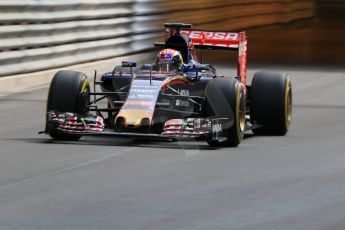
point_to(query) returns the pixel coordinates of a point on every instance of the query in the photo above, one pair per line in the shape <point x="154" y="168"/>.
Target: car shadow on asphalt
<point x="129" y="142"/>
<point x="98" y="141"/>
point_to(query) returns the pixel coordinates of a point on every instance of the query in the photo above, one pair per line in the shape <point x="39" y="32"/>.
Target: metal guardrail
<point x="43" y="34"/>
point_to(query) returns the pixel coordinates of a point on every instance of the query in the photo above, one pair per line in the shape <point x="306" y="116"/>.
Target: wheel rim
<point x="85" y="86"/>
<point x="85" y="94"/>
<point x="288" y="103"/>
<point x="241" y="113"/>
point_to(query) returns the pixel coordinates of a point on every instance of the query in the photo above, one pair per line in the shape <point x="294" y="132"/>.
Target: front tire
<point x="271" y="103"/>
<point x="226" y="99"/>
<point x="68" y="92"/>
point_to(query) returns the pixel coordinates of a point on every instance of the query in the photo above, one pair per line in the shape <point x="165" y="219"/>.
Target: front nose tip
<point x="137" y="122"/>
<point x="131" y="125"/>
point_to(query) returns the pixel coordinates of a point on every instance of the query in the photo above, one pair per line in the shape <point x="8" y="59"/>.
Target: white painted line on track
<point x="53" y="173"/>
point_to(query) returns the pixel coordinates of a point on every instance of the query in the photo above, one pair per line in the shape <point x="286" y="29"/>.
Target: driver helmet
<point x="168" y="60"/>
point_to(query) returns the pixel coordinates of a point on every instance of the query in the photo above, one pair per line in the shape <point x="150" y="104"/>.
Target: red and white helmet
<point x="168" y="60"/>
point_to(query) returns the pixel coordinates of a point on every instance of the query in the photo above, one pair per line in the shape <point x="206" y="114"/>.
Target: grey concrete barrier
<point x="43" y="34"/>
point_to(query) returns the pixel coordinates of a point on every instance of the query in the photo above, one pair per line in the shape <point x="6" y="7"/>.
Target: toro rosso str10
<point x="175" y="97"/>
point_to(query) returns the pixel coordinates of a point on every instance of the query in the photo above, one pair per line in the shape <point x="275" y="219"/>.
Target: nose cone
<point x="134" y="118"/>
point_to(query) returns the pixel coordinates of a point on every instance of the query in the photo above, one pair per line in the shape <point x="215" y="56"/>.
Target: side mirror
<point x="130" y="64"/>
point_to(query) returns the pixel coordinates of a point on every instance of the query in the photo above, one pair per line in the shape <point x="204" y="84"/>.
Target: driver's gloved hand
<point x="187" y="68"/>
<point x="189" y="71"/>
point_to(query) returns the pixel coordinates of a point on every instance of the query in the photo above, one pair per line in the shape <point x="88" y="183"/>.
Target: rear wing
<point x="213" y="40"/>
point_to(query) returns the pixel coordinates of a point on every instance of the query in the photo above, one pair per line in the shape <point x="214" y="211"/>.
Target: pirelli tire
<point x="68" y="92"/>
<point x="271" y="103"/>
<point x="225" y="98"/>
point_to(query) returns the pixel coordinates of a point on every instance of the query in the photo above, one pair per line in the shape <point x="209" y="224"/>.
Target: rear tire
<point x="68" y="92"/>
<point x="271" y="103"/>
<point x="226" y="99"/>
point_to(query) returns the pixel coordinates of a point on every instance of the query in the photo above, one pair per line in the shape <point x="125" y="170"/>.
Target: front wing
<point x="72" y="123"/>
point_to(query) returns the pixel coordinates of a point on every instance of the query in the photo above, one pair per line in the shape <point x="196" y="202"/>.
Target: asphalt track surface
<point x="291" y="182"/>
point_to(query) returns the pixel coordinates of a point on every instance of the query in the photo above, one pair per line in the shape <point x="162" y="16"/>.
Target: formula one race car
<point x="175" y="97"/>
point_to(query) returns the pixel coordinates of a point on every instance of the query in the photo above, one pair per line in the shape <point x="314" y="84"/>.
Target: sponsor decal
<point x="202" y="124"/>
<point x="142" y="94"/>
<point x="216" y="128"/>
<point x="182" y="103"/>
<point x="184" y="92"/>
<point x="138" y="103"/>
<point x="211" y="35"/>
<point x="226" y="39"/>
